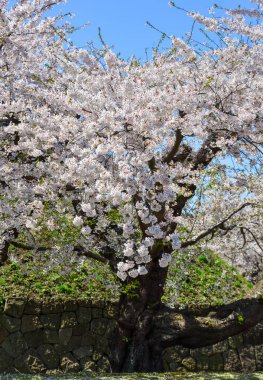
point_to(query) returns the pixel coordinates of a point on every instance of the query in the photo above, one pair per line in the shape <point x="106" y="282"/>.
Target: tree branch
<point x="170" y="155"/>
<point x="208" y="326"/>
<point x="254" y="237"/>
<point x="4" y="250"/>
<point x="81" y="251"/>
<point x="214" y="228"/>
<point x="28" y="247"/>
<point x="78" y="249"/>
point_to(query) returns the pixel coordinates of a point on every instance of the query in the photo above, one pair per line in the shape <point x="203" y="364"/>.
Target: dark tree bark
<point x="13" y="233"/>
<point x="4" y="254"/>
<point x="147" y="327"/>
<point x="133" y="350"/>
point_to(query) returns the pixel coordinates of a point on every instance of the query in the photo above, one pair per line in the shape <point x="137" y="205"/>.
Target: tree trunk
<point x="4" y="254"/>
<point x="146" y="327"/>
<point x="136" y="320"/>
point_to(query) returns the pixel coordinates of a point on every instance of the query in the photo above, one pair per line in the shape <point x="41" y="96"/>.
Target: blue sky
<point x="123" y="22"/>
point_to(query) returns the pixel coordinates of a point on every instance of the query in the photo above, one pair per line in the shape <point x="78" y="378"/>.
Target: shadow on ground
<point x="140" y="376"/>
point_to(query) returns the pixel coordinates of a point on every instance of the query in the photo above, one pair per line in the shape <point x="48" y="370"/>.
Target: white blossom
<point x="78" y="221"/>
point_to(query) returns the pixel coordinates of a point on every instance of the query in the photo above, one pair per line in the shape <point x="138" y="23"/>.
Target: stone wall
<point x="240" y="353"/>
<point x="77" y="336"/>
<point x="67" y="336"/>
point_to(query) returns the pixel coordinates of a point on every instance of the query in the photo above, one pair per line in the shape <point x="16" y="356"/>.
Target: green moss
<point x="241" y="319"/>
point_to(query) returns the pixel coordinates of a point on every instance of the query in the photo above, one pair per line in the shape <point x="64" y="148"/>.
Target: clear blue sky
<point x="123" y="21"/>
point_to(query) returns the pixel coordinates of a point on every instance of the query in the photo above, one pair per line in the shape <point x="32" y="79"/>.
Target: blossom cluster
<point x="120" y="149"/>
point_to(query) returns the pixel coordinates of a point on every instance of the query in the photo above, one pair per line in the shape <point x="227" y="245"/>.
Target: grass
<point x="200" y="279"/>
<point x="203" y="278"/>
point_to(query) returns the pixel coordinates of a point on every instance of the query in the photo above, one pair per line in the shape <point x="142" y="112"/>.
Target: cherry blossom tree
<point x="139" y="160"/>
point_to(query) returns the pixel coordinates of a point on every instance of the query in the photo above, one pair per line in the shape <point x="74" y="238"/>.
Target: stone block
<point x="231" y="361"/>
<point x="259" y="357"/>
<point x="82" y="352"/>
<point x="68" y="319"/>
<point x="11" y="324"/>
<point x="50" y="321"/>
<point x="104" y="365"/>
<point x="96" y="356"/>
<point x="29" y="362"/>
<point x="79" y="330"/>
<point x="235" y="341"/>
<point x="70" y="305"/>
<point x="216" y="363"/>
<point x="84" y="315"/>
<point x="52" y="308"/>
<point x="220" y="347"/>
<point x="34" y="338"/>
<point x="202" y="362"/>
<point x="14" y="307"/>
<point x="96" y="312"/>
<point x="183" y="351"/>
<point x="249" y="337"/>
<point x="99" y="304"/>
<point x="88" y="339"/>
<point x="172" y="355"/>
<point x="65" y="336"/>
<point x="248" y="358"/>
<point x="6" y="360"/>
<point x="3" y="334"/>
<point x="73" y="344"/>
<point x="208" y="350"/>
<point x="112" y="326"/>
<point x="69" y="364"/>
<point x="110" y="311"/>
<point x="99" y="326"/>
<point x="51" y="336"/>
<point x="189" y="363"/>
<point x="30" y="323"/>
<point x="85" y="303"/>
<point x="176" y="367"/>
<point x="15" y="344"/>
<point x="258" y="334"/>
<point x="87" y="364"/>
<point x="49" y="356"/>
<point x="32" y="307"/>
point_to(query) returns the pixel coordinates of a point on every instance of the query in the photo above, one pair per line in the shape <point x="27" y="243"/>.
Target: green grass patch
<point x="202" y="279"/>
<point x="90" y="281"/>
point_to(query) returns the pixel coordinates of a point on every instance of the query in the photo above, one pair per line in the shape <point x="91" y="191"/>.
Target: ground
<point x="170" y="376"/>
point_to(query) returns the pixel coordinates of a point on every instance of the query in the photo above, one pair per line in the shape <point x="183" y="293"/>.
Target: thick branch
<point x="4" y="253"/>
<point x="78" y="249"/>
<point x="254" y="237"/>
<point x="208" y="326"/>
<point x="196" y="161"/>
<point x="4" y="250"/>
<point x="170" y="155"/>
<point x="214" y="228"/>
<point x="207" y="152"/>
<point x="28" y="247"/>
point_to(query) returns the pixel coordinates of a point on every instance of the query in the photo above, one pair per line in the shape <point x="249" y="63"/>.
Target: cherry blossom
<point x="139" y="159"/>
